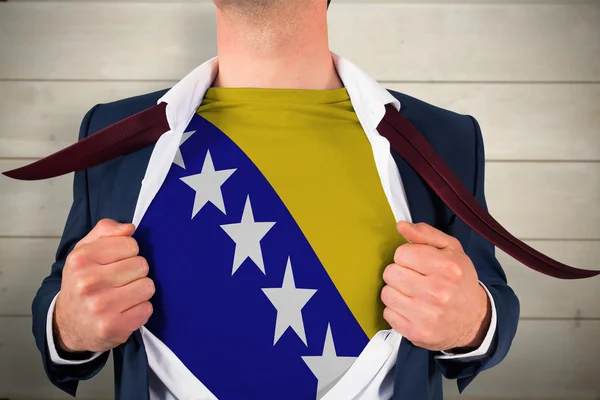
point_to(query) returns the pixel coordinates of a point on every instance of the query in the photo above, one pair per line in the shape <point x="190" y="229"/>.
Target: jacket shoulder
<point x="106" y="114"/>
<point x="434" y="122"/>
<point x="455" y="137"/>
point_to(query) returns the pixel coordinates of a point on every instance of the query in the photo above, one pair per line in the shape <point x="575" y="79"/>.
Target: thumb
<point x="405" y="229"/>
<point x="105" y="228"/>
<point x="423" y="233"/>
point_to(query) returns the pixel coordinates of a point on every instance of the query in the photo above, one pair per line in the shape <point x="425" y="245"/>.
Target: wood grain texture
<point x="519" y="121"/>
<point x="528" y="70"/>
<point x="22" y="374"/>
<point x="545" y="200"/>
<point x="532" y="200"/>
<point x="552" y="359"/>
<point x="39" y="118"/>
<point x="548" y="359"/>
<point x="545" y="297"/>
<point x="472" y="42"/>
<point x="524" y="121"/>
<point x="25" y="262"/>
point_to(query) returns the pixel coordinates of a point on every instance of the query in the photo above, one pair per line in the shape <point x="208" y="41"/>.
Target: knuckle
<point x="144" y="267"/>
<point x="398" y="253"/>
<point x="388" y="273"/>
<point x="458" y="272"/>
<point x="441" y="296"/>
<point x="104" y="223"/>
<point x="142" y="314"/>
<point x="96" y="305"/>
<point x="77" y="258"/>
<point x="131" y="245"/>
<point x="406" y="250"/>
<point x="84" y="285"/>
<point x="455" y="270"/>
<point x="384" y="295"/>
<point x="388" y="296"/>
<point x="145" y="288"/>
<point x="146" y="312"/>
<point x="388" y="315"/>
<point x="421" y="226"/>
<point x="151" y="287"/>
<point x="103" y="329"/>
<point x="456" y="243"/>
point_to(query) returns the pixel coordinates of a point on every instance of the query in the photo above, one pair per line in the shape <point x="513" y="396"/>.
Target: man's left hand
<point x="433" y="296"/>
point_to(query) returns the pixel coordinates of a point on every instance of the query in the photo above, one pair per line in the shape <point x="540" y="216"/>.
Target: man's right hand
<point x="104" y="292"/>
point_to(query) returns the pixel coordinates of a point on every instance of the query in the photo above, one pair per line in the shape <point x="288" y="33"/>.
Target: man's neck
<point x="271" y="50"/>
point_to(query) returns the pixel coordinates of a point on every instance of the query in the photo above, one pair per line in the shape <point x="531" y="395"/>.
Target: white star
<point x="178" y="157"/>
<point x="289" y="302"/>
<point x="247" y="235"/>
<point x="328" y="368"/>
<point x="207" y="185"/>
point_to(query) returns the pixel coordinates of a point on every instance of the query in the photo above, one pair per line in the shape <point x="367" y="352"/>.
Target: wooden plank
<point x="524" y="121"/>
<point x="25" y="262"/>
<point x="472" y="42"/>
<point x="33" y="208"/>
<point x="39" y="118"/>
<point x="533" y="200"/>
<point x="22" y="374"/>
<point x="545" y="297"/>
<point x="545" y="200"/>
<point x="549" y="358"/>
<point x="519" y="121"/>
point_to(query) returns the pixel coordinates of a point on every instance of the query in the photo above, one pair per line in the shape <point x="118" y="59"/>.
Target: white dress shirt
<point x="365" y="380"/>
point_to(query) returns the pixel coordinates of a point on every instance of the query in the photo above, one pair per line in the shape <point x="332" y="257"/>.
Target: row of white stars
<point x="247" y="234"/>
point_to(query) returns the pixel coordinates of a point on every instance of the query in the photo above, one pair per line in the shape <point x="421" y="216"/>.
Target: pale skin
<point x="105" y="292"/>
<point x="431" y="293"/>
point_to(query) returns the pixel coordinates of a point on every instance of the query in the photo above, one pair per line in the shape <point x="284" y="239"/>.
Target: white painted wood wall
<point x="528" y="70"/>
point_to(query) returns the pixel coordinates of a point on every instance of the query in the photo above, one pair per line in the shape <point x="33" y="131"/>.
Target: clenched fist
<point x="433" y="296"/>
<point x="105" y="291"/>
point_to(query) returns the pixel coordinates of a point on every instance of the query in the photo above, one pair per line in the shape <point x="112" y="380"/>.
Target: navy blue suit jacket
<point x="110" y="190"/>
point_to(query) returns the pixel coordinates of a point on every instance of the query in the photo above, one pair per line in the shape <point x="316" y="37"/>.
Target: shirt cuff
<point x="487" y="341"/>
<point x="54" y="357"/>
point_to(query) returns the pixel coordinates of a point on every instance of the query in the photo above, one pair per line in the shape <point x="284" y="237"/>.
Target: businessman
<point x="271" y="245"/>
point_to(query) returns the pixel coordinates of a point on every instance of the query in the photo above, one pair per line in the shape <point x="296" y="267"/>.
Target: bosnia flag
<point x="243" y="299"/>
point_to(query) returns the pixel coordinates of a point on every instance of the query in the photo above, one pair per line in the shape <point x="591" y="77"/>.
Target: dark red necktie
<point x="146" y="127"/>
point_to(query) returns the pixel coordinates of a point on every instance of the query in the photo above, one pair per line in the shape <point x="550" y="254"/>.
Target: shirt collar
<point x="368" y="97"/>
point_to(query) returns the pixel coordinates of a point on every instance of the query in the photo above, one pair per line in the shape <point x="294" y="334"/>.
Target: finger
<point x="105" y="228"/>
<point x="421" y="258"/>
<point x="423" y="233"/>
<point x="398" y="322"/>
<point x="133" y="318"/>
<point x="108" y="250"/>
<point x="131" y="295"/>
<point x="398" y="302"/>
<point x="404" y="280"/>
<point x="123" y="272"/>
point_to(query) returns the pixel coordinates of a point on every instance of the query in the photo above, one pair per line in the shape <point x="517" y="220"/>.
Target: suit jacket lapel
<point x="128" y="183"/>
<point x="414" y="365"/>
<point x="131" y="363"/>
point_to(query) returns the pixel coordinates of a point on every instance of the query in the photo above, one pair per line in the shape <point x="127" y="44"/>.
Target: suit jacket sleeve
<point x="490" y="273"/>
<point x="66" y="377"/>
